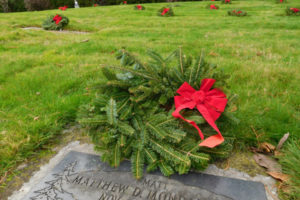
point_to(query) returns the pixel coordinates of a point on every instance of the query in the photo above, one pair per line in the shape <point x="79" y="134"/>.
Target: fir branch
<point x="116" y="155"/>
<point x="165" y="168"/>
<point x="111" y="111"/>
<point x="167" y="152"/>
<point x="144" y="75"/>
<point x="150" y="155"/>
<point x="137" y="166"/>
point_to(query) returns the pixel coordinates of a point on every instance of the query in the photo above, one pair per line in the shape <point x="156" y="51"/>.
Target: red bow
<point x="213" y="6"/>
<point x="57" y="19"/>
<point x="210" y="103"/>
<point x="139" y="7"/>
<point x="63" y="8"/>
<point x="165" y="11"/>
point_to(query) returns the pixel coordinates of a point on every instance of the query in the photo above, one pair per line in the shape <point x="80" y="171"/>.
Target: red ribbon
<point x="213" y="6"/>
<point x="139" y="7"/>
<point x="210" y="103"/>
<point x="57" y="19"/>
<point x="165" y="11"/>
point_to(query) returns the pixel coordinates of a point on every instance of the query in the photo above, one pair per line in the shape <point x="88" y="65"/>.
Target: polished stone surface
<point x="83" y="176"/>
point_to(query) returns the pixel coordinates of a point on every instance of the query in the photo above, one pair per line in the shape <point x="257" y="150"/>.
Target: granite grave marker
<point x="81" y="176"/>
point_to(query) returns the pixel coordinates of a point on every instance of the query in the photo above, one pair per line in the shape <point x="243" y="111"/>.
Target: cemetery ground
<point x="45" y="76"/>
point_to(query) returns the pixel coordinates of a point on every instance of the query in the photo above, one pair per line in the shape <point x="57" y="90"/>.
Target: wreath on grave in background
<point x="292" y="11"/>
<point x="212" y="7"/>
<point x="139" y="7"/>
<point x="165" y="12"/>
<point x="226" y="1"/>
<point x="133" y="115"/>
<point x="57" y="22"/>
<point x="237" y="12"/>
<point x="281" y="1"/>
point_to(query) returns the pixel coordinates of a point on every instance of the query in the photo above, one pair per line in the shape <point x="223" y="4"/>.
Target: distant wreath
<point x="292" y="11"/>
<point x="226" y="1"/>
<point x="57" y="22"/>
<point x="212" y="7"/>
<point x="139" y="7"/>
<point x="237" y="12"/>
<point x="63" y="8"/>
<point x="165" y="12"/>
<point x="281" y="1"/>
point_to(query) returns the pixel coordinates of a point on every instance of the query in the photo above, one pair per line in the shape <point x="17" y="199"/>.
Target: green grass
<point x="45" y="74"/>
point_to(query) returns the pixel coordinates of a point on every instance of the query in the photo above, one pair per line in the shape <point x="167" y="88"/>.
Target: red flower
<point x="213" y="7"/>
<point x="281" y="1"/>
<point x="227" y="1"/>
<point x="165" y="11"/>
<point x="239" y="12"/>
<point x="57" y="19"/>
<point x="124" y="2"/>
<point x="234" y="11"/>
<point x="295" y="10"/>
<point x="212" y="0"/>
<point x="95" y="5"/>
<point x="139" y="7"/>
<point x="63" y="8"/>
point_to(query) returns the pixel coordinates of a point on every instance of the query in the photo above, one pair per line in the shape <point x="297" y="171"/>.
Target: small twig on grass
<point x="3" y="177"/>
<point x="282" y="140"/>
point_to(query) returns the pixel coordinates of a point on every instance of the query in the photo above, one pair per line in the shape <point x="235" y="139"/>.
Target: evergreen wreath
<point x="237" y="12"/>
<point x="165" y="12"/>
<point x="139" y="7"/>
<point x="226" y="1"/>
<point x="281" y="1"/>
<point x="130" y="116"/>
<point x="212" y="7"/>
<point x="292" y="11"/>
<point x="57" y="22"/>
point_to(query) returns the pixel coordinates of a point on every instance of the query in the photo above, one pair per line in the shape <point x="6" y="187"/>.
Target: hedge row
<point x="23" y="5"/>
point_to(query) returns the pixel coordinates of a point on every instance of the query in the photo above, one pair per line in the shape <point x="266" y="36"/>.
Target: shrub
<point x="4" y="6"/>
<point x="57" y="22"/>
<point x="59" y="3"/>
<point x="292" y="11"/>
<point x="70" y="3"/>
<point x="37" y="4"/>
<point x="16" y="5"/>
<point x="165" y="12"/>
<point x="237" y="12"/>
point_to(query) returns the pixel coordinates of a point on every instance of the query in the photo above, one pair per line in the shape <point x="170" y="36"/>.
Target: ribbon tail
<point x="214" y="140"/>
<point x="176" y="114"/>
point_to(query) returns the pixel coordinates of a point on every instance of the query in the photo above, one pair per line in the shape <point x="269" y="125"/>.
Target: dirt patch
<point x="61" y="31"/>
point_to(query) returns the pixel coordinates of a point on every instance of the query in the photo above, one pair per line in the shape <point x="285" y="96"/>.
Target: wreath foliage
<point x="130" y="116"/>
<point x="50" y="23"/>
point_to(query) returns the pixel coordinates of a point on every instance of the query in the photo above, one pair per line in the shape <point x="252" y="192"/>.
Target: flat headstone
<point x="81" y="176"/>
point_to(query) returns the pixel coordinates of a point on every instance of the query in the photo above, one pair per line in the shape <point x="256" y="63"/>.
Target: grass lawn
<point x="44" y="76"/>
